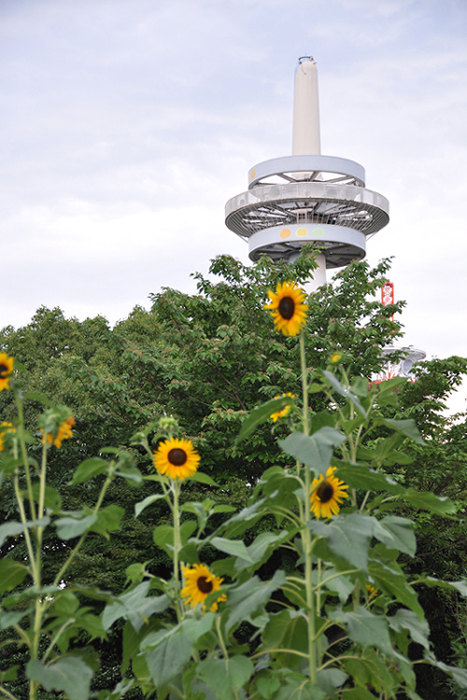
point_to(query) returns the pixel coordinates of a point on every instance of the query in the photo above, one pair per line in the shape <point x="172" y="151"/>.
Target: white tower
<point x="306" y="197"/>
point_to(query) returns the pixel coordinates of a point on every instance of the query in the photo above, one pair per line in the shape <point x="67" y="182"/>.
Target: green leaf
<point x="108" y="520"/>
<point x="88" y="469"/>
<point x="339" y="584"/>
<point x="236" y="548"/>
<point x="70" y="527"/>
<point x="69" y="674"/>
<point x="359" y="476"/>
<point x="65" y="603"/>
<point x="458" y="674"/>
<point x="53" y="499"/>
<point x="194" y="629"/>
<point x="267" y="683"/>
<point x="36" y="396"/>
<point x="428" y="501"/>
<point x="407" y="427"/>
<point x="135" y="606"/>
<point x="286" y="630"/>
<point x="9" y="619"/>
<point x="226" y="679"/>
<point x="365" y="628"/>
<point x="223" y="509"/>
<point x="418" y="629"/>
<point x="337" y="386"/>
<point x="359" y="693"/>
<point x="391" y="579"/>
<point x="348" y="536"/>
<point x="14" y="528"/>
<point x="163" y="536"/>
<point x="330" y="679"/>
<point x="139" y="507"/>
<point x="396" y="533"/>
<point x="202" y="478"/>
<point x="459" y="586"/>
<point x="169" y="657"/>
<point x="314" y="450"/>
<point x="262" y="414"/>
<point x="12" y="574"/>
<point x="247" y="598"/>
<point x="371" y="669"/>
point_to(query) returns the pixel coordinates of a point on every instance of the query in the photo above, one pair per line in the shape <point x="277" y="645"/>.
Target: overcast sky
<point x="126" y="125"/>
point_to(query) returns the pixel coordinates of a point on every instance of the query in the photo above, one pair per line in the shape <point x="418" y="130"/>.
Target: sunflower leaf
<point x="390" y="578"/>
<point x="442" y="505"/>
<point x="251" y="595"/>
<point x="337" y="386"/>
<point x="314" y="450"/>
<point x="226" y="679"/>
<point x="168" y="658"/>
<point x="88" y="469"/>
<point x="139" y="507"/>
<point x="348" y="536"/>
<point x="262" y="414"/>
<point x="202" y="478"/>
<point x="359" y="476"/>
<point x="69" y="674"/>
<point x="135" y="606"/>
<point x="12" y="573"/>
<point x="365" y="628"/>
<point x="396" y="533"/>
<point x="407" y="427"/>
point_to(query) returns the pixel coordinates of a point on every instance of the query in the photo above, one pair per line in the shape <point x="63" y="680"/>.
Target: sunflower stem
<point x="24" y="454"/>
<point x="304" y="383"/>
<point x="177" y="545"/>
<point x="306" y="535"/>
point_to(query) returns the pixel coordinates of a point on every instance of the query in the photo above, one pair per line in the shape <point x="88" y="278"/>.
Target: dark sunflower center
<point x="3" y="370"/>
<point x="177" y="457"/>
<point x="325" y="492"/>
<point x="286" y="308"/>
<point x="204" y="585"/>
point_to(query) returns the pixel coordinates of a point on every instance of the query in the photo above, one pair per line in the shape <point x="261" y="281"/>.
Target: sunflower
<point x="336" y="358"/>
<point x="287" y="308"/>
<point x="285" y="411"/>
<point x="6" y="368"/>
<point x="372" y="591"/>
<point x="176" y="458"/>
<point x="199" y="583"/>
<point x="64" y="432"/>
<point x="5" y="427"/>
<point x="327" y="494"/>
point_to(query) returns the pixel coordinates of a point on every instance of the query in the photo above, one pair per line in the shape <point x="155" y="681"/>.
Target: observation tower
<point x="306" y="197"/>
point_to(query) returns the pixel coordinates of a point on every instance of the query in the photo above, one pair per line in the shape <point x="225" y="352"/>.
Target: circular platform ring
<point x="311" y="202"/>
<point x="308" y="168"/>
<point x="340" y="244"/>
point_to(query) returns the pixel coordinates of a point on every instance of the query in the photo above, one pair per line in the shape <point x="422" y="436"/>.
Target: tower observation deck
<point x="306" y="197"/>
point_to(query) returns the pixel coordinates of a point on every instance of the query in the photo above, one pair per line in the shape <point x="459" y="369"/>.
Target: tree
<point x="207" y="359"/>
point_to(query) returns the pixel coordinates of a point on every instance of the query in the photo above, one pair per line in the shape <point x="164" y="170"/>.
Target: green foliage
<point x="214" y="362"/>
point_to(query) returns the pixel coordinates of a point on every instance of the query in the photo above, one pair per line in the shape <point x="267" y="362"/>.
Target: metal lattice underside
<point x="359" y="216"/>
<point x="337" y="254"/>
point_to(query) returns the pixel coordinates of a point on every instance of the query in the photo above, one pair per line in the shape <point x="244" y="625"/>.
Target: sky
<point x="126" y="125"/>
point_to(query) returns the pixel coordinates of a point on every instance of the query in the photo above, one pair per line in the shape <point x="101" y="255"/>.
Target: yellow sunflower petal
<point x="64" y="432"/>
<point x="176" y="458"/>
<point x="5" y="428"/>
<point x="199" y="583"/>
<point x="6" y="368"/>
<point x="285" y="411"/>
<point x="327" y="494"/>
<point x="287" y="308"/>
